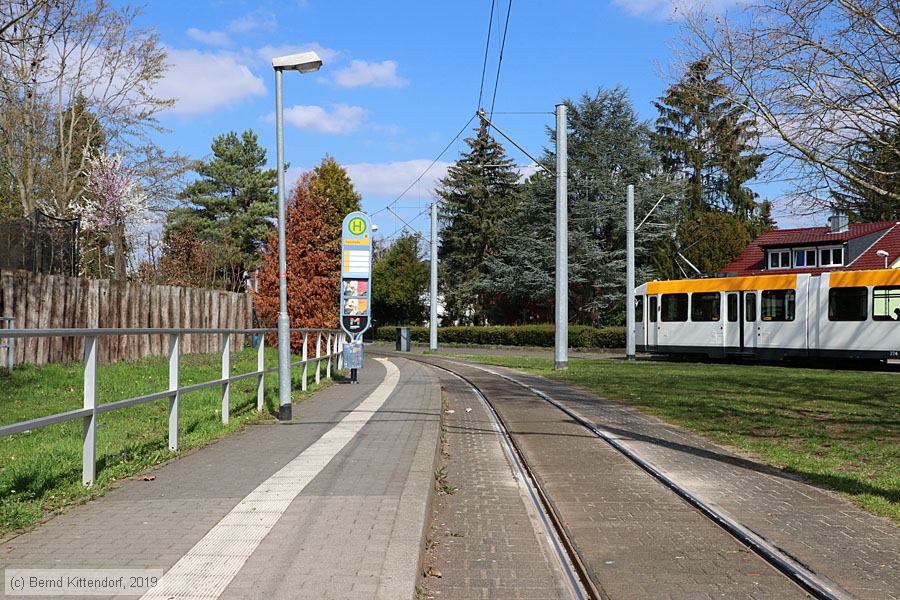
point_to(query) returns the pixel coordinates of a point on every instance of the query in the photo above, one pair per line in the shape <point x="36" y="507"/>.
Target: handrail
<point x="334" y="341"/>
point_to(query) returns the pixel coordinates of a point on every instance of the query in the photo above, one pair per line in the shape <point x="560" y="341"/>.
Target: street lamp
<point x="884" y="254"/>
<point x="305" y="62"/>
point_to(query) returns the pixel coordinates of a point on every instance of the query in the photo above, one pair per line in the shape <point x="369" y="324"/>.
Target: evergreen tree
<point x="877" y="162"/>
<point x="400" y="284"/>
<point x="710" y="141"/>
<point x="232" y="205"/>
<point x="608" y="148"/>
<point x="479" y="193"/>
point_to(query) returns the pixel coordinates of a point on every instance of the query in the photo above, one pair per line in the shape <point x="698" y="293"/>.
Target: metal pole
<point x="226" y="375"/>
<point x="284" y="334"/>
<point x="629" y="275"/>
<point x="174" y="353"/>
<point x="433" y="342"/>
<point x="562" y="242"/>
<point x="89" y="435"/>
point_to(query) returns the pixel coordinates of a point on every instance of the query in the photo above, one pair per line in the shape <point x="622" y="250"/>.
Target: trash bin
<point x="403" y="339"/>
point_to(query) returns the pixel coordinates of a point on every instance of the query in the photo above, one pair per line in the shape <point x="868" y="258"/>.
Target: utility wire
<point x="487" y="46"/>
<point x="500" y="60"/>
<point x="428" y="168"/>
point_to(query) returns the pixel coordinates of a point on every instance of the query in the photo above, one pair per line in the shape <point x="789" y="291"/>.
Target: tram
<point x="845" y="314"/>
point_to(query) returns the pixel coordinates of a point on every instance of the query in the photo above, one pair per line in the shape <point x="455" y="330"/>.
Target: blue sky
<point x="400" y="78"/>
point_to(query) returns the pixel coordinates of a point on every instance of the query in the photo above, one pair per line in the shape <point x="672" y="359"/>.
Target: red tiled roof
<point x="752" y="261"/>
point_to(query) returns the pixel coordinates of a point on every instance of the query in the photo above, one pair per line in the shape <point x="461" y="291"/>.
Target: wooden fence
<point x="55" y="301"/>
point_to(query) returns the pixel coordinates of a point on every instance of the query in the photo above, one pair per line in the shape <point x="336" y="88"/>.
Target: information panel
<point x="356" y="274"/>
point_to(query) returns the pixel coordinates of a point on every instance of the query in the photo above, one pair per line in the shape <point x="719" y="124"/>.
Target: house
<point x="838" y="247"/>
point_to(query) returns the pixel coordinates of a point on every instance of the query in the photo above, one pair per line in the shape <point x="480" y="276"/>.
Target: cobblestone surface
<point x="856" y="550"/>
<point x="354" y="532"/>
<point x="638" y="539"/>
<point x="484" y="542"/>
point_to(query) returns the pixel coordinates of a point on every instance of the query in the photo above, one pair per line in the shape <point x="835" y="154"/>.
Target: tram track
<point x="800" y="575"/>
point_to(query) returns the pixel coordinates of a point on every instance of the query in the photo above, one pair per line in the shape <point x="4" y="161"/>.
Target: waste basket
<point x="403" y="339"/>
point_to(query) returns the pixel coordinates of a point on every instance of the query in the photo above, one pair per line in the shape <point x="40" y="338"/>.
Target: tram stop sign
<point x="356" y="274"/>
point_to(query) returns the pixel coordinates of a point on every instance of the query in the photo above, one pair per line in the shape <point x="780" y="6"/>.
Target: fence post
<point x="89" y="437"/>
<point x="261" y="367"/>
<point x="330" y="349"/>
<point x="10" y="345"/>
<point x="318" y="353"/>
<point x="174" y="356"/>
<point x="226" y="373"/>
<point x="305" y="355"/>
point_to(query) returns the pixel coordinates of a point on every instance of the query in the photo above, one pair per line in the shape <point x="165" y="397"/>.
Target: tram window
<point x="732" y="308"/>
<point x="652" y="308"/>
<point x="886" y="303"/>
<point x="674" y="307"/>
<point x="705" y="306"/>
<point x="750" y="307"/>
<point x="848" y="304"/>
<point x="778" y="305"/>
<point x="638" y="309"/>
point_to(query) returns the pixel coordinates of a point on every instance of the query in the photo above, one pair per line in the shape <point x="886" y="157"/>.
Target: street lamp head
<point x="883" y="253"/>
<point x="305" y="62"/>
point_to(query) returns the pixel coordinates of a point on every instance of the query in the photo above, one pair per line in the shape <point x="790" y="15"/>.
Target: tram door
<point x="652" y="321"/>
<point x="733" y="337"/>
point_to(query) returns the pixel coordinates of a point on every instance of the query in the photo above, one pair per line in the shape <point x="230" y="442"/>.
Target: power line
<point x="423" y="173"/>
<point x="487" y="46"/>
<point x="500" y="60"/>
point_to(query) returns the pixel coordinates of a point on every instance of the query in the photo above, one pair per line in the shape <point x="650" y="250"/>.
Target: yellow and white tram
<point x="853" y="314"/>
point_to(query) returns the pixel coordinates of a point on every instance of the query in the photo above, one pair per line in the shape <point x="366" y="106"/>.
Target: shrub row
<point x="580" y="336"/>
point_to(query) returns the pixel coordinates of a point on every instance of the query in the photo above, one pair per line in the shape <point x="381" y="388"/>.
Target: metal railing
<point x="334" y="342"/>
<point x="10" y="344"/>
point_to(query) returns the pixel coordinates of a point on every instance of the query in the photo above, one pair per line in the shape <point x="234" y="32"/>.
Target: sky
<point x="400" y="78"/>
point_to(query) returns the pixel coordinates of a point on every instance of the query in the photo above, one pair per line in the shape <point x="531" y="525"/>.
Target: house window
<point x="779" y="259"/>
<point x="886" y="303"/>
<point x="778" y="305"/>
<point x="804" y="258"/>
<point x="705" y="306"/>
<point x="674" y="307"/>
<point x="831" y="257"/>
<point x="848" y="304"/>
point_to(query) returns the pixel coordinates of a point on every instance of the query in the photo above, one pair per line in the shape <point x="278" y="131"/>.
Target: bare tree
<point x="78" y="75"/>
<point x="821" y="77"/>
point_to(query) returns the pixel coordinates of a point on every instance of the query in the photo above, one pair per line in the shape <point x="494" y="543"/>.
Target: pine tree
<point x="608" y="148"/>
<point x="876" y="160"/>
<point x="479" y="192"/>
<point x="232" y="205"/>
<point x="710" y="141"/>
<point x="399" y="284"/>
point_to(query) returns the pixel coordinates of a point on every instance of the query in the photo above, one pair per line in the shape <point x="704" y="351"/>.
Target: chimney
<point x="839" y="223"/>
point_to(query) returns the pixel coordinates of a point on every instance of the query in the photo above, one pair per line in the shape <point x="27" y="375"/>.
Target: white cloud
<point x="390" y="179"/>
<point x="666" y="9"/>
<point x="378" y="74"/>
<point x="257" y="20"/>
<point x="211" y="38"/>
<point x="203" y="82"/>
<point x="341" y="119"/>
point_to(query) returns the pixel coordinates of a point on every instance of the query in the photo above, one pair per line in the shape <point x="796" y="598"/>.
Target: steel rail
<point x="802" y="576"/>
<point x="580" y="583"/>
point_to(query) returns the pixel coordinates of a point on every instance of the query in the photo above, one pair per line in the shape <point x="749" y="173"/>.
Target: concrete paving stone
<point x="351" y="509"/>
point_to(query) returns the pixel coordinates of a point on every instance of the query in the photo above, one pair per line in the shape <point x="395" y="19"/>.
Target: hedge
<point x="580" y="336"/>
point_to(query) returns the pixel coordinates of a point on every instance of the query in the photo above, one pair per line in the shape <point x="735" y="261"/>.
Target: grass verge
<point x="839" y="429"/>
<point x="40" y="471"/>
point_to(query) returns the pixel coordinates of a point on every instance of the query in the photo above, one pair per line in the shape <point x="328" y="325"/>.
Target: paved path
<point x="486" y="541"/>
<point x="638" y="539"/>
<point x="857" y="551"/>
<point x="332" y="505"/>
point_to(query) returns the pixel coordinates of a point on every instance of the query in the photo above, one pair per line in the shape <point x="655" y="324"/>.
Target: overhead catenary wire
<point x="487" y="47"/>
<point x="500" y="59"/>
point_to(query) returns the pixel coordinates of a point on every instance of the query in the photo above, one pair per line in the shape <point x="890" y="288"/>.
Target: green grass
<point x="839" y="429"/>
<point x="40" y="472"/>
